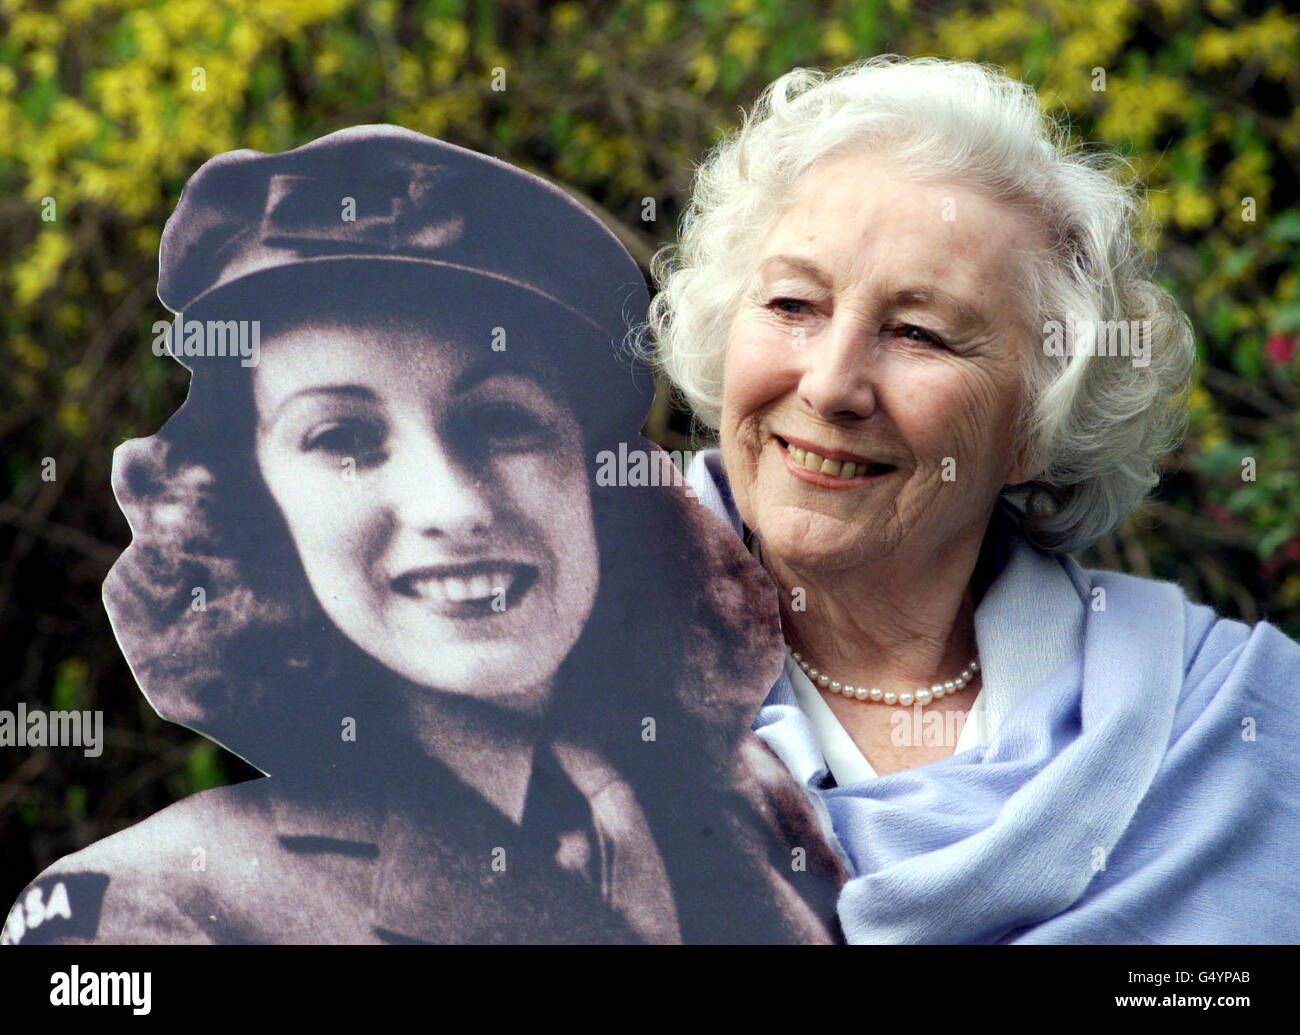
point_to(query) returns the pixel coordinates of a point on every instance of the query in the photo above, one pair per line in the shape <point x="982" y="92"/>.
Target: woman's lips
<point x="833" y="468"/>
<point x="476" y="590"/>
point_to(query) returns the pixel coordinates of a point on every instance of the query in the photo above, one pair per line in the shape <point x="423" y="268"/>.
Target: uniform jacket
<point x="418" y="857"/>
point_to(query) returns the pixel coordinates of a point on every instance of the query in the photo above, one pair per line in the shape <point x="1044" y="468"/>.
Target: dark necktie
<point x="557" y="819"/>
<point x="581" y="813"/>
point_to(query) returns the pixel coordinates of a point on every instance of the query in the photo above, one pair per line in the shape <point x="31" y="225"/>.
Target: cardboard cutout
<point x="403" y="550"/>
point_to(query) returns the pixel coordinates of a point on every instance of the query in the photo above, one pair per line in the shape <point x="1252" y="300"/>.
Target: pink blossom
<point x="1280" y="348"/>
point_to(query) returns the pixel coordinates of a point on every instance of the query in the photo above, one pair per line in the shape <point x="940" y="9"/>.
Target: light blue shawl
<point x="1142" y="785"/>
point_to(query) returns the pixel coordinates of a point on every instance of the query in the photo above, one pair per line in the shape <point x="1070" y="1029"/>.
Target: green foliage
<point x="202" y="770"/>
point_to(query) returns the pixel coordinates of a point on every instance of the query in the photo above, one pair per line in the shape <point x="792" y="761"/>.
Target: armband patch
<point x="60" y="906"/>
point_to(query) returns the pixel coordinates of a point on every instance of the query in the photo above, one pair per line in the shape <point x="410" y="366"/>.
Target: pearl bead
<point x="921" y="696"/>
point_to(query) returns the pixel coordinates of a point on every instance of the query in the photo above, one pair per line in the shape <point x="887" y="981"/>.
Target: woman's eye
<point x="789" y="306"/>
<point x="356" y="439"/>
<point x="919" y="334"/>
<point x="503" y="428"/>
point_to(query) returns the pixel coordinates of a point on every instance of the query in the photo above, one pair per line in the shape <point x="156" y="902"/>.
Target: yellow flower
<point x="1192" y="208"/>
<point x="1288" y="285"/>
<point x="430" y="118"/>
<point x="43" y="64"/>
<point x="566" y="17"/>
<point x="383" y="11"/>
<point x="327" y="62"/>
<point x="245" y="45"/>
<point x="1213" y="49"/>
<point x="588" y="67"/>
<point x="69" y="317"/>
<point x="72" y="418"/>
<point x="837" y="43"/>
<point x="75" y="379"/>
<point x="442" y="71"/>
<point x="703" y="70"/>
<point x="408" y="77"/>
<point x="1212" y="438"/>
<point x="42" y="267"/>
<point x="31" y="355"/>
<point x="1172" y="10"/>
<point x="147" y="239"/>
<point x="1278" y="36"/>
<point x="658" y="16"/>
<point x="744" y="43"/>
<point x="155" y="46"/>
<point x="450" y="37"/>
<point x="32" y="28"/>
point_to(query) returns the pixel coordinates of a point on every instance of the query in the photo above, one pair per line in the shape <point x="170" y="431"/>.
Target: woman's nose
<point x="839" y="370"/>
<point x="433" y="491"/>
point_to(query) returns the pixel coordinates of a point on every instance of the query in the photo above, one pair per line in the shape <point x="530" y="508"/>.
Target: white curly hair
<point x="1094" y="430"/>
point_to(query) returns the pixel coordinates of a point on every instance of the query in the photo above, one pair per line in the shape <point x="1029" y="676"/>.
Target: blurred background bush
<point x="107" y="106"/>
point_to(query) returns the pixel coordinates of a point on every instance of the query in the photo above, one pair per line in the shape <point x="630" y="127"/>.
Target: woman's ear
<point x="1026" y="466"/>
<point x="1017" y="474"/>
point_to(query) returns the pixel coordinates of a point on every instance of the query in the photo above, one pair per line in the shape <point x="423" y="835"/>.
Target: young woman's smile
<point x="438" y="500"/>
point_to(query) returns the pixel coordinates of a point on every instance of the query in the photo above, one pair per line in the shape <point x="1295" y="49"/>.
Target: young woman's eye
<point x="502" y="427"/>
<point x="356" y="439"/>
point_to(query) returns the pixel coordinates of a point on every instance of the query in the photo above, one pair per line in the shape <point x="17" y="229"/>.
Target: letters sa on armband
<point x="62" y="906"/>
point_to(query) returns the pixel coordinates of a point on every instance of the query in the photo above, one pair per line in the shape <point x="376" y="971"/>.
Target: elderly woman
<point x="495" y="703"/>
<point x="898" y="298"/>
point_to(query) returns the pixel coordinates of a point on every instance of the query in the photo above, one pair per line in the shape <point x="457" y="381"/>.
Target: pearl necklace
<point x="861" y="693"/>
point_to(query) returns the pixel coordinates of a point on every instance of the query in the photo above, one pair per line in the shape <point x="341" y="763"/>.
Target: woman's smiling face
<point x="437" y="498"/>
<point x="878" y="331"/>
